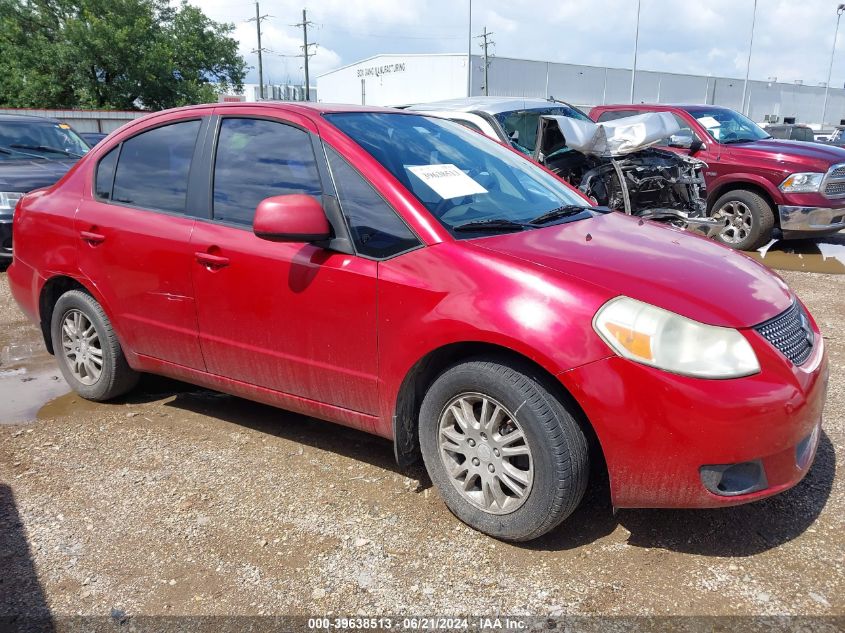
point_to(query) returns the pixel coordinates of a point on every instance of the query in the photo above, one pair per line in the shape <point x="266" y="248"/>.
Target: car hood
<point x="26" y="175"/>
<point x="684" y="273"/>
<point x="785" y="151"/>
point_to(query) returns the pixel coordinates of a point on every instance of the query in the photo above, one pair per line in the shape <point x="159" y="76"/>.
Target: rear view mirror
<point x="291" y="218"/>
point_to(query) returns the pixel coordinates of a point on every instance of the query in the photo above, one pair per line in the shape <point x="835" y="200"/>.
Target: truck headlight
<point x="653" y="336"/>
<point x="803" y="182"/>
<point x="8" y="200"/>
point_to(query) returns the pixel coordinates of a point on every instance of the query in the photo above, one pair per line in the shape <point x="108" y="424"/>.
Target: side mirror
<point x="683" y="139"/>
<point x="291" y="218"/>
<point x="515" y="136"/>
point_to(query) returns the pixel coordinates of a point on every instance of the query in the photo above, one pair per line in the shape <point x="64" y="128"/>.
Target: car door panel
<point x="292" y="317"/>
<point x="140" y="262"/>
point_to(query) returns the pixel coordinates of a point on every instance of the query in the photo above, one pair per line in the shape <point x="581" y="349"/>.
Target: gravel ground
<point x="178" y="500"/>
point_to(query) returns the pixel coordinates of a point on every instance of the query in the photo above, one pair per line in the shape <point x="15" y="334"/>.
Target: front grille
<point x="835" y="188"/>
<point x="838" y="172"/>
<point x="790" y="333"/>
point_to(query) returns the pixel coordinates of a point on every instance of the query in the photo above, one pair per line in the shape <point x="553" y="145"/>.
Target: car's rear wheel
<point x="507" y="456"/>
<point x="748" y="217"/>
<point x="86" y="347"/>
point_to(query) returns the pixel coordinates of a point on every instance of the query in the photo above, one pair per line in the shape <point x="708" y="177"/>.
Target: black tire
<point x="761" y="214"/>
<point x="558" y="447"/>
<point x="116" y="377"/>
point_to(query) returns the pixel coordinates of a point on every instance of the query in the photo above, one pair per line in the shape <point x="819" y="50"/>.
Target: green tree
<point x="113" y="54"/>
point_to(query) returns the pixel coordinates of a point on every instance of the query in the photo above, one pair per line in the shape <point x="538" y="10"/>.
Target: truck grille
<point x="790" y="333"/>
<point x="834" y="182"/>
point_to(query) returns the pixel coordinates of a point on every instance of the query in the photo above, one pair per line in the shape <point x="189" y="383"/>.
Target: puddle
<point x="820" y="255"/>
<point x="23" y="392"/>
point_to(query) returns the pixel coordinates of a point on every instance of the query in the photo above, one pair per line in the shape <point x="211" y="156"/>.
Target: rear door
<point x="134" y="234"/>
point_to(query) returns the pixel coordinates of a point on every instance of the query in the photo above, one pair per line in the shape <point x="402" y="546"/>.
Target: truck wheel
<point x="749" y="219"/>
<point x="508" y="458"/>
<point x="89" y="355"/>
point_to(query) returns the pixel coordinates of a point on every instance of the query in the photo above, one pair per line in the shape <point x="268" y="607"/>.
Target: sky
<point x="792" y="40"/>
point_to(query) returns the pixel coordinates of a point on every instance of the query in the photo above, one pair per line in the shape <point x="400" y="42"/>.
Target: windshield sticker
<point x="447" y="181"/>
<point x="709" y="122"/>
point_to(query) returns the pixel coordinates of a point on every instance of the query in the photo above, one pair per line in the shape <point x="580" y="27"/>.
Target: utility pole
<point x="748" y="63"/>
<point x="485" y="44"/>
<point x="469" y="51"/>
<point x="839" y="10"/>
<point x="305" y="52"/>
<point x="257" y="19"/>
<point x="636" y="46"/>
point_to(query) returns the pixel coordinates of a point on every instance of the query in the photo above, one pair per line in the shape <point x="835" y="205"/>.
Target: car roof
<point x="490" y="105"/>
<point x="658" y="106"/>
<point x="309" y="106"/>
<point x="27" y="118"/>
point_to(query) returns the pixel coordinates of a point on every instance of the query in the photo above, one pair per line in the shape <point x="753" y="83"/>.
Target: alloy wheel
<point x="738" y="221"/>
<point x="486" y="453"/>
<point x="81" y="347"/>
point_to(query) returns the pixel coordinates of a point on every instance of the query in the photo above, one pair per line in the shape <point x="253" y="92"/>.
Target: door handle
<point x="212" y="261"/>
<point x="92" y="238"/>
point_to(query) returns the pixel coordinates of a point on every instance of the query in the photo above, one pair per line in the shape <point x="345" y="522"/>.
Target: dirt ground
<point x="178" y="500"/>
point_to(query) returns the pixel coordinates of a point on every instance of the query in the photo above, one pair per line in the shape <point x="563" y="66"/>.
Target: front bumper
<point x="808" y="221"/>
<point x="660" y="431"/>
<point x="5" y="238"/>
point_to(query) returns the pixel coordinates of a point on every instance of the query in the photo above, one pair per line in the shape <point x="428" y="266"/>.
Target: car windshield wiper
<point x="493" y="224"/>
<point x="47" y="148"/>
<point x="565" y="211"/>
<point x="731" y="141"/>
<point x="12" y="152"/>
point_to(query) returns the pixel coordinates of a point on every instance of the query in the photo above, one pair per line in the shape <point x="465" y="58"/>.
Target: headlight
<point x="654" y="336"/>
<point x="805" y="182"/>
<point x="8" y="200"/>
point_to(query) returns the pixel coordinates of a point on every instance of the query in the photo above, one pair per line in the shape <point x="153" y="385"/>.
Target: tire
<point x="556" y="467"/>
<point x="78" y="311"/>
<point x="751" y="219"/>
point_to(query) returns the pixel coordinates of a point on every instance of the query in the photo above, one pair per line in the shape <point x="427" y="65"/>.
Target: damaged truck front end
<point x="616" y="164"/>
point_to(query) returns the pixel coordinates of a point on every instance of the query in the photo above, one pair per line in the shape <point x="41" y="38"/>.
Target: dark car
<point x="34" y="152"/>
<point x="92" y="138"/>
<point x="791" y="132"/>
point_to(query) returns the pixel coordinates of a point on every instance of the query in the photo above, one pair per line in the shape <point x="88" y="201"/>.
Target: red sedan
<point x="405" y="276"/>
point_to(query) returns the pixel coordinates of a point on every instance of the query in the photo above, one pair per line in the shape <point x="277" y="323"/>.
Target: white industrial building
<point x="396" y="80"/>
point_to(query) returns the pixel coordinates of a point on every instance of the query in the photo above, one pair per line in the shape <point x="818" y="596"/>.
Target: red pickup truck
<point x="764" y="187"/>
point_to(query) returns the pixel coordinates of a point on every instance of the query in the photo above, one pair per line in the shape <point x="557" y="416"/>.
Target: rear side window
<point x="803" y="134"/>
<point x="377" y="230"/>
<point x="152" y="172"/>
<point x="258" y="159"/>
<point x="612" y="115"/>
<point x="105" y="174"/>
<point x="778" y="132"/>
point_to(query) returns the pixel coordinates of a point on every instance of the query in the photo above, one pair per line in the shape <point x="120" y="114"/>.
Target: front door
<point x="291" y="317"/>
<point x="134" y="241"/>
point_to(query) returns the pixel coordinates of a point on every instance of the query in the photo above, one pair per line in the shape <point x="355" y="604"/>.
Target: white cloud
<point x="792" y="40"/>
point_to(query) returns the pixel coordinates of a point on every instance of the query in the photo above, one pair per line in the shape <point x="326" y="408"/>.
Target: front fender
<point x="735" y="181"/>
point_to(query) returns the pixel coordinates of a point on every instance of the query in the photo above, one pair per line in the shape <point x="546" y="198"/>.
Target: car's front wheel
<point x="507" y="456"/>
<point x="748" y="217"/>
<point x="86" y="347"/>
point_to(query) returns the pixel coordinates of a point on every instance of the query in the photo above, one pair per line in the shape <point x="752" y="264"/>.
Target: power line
<point x="485" y="44"/>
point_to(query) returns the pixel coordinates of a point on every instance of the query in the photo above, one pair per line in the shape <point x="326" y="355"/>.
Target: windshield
<point x="39" y="139"/>
<point x="520" y="126"/>
<point x="727" y="126"/>
<point x="460" y="176"/>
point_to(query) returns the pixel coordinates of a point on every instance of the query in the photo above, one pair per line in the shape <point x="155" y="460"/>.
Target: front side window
<point x="520" y="126"/>
<point x="727" y="126"/>
<point x="461" y="177"/>
<point x="377" y="230"/>
<point x="258" y="159"/>
<point x="152" y="172"/>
